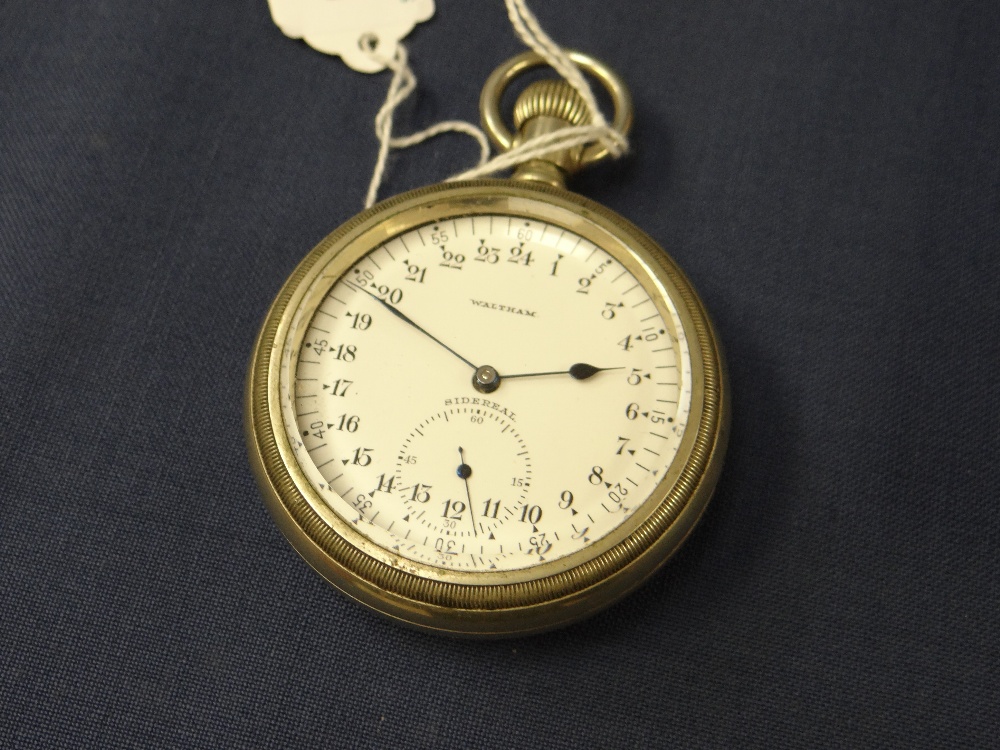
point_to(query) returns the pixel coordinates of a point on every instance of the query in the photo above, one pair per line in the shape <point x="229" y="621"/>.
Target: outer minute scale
<point x="423" y="306"/>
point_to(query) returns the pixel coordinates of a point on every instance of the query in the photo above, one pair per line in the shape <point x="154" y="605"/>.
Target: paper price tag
<point x="346" y="27"/>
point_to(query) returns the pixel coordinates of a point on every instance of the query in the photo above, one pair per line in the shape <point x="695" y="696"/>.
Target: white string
<point x="531" y="33"/>
<point x="402" y="85"/>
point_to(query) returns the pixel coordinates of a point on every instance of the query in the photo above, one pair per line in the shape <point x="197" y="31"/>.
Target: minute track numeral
<point x="539" y="545"/>
<point x="349" y="423"/>
<point x="345" y="352"/>
<point x="451" y="260"/>
<point x="518" y="256"/>
<point x="421" y="493"/>
<point x="319" y="346"/>
<point x="393" y="295"/>
<point x="384" y="484"/>
<point x="415" y="273"/>
<point x="316" y="429"/>
<point x="446" y="546"/>
<point x="636" y="376"/>
<point x="555" y="264"/>
<point x="608" y="312"/>
<point x="339" y="387"/>
<point x="362" y="457"/>
<point x="531" y="514"/>
<point x="489" y="255"/>
<point x="647" y="335"/>
<point x="617" y="493"/>
<point x="360" y="321"/>
<point x="656" y="416"/>
<point x="453" y="509"/>
<point x="362" y="503"/>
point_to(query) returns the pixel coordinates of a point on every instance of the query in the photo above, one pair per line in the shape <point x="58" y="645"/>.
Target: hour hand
<point x="579" y="371"/>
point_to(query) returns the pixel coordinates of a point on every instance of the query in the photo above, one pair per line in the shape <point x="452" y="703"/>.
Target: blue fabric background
<point x="828" y="174"/>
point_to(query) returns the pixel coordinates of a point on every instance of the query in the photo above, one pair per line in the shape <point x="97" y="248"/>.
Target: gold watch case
<point x="489" y="604"/>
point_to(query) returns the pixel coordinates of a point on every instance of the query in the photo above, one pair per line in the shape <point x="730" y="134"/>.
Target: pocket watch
<point x="490" y="407"/>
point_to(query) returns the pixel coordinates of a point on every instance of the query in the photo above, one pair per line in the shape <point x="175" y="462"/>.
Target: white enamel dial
<point x="377" y="393"/>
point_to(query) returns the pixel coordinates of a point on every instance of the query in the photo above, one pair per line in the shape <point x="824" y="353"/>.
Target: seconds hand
<point x="465" y="471"/>
<point x="405" y="319"/>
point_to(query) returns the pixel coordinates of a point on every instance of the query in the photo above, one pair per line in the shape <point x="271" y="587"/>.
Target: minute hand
<point x="579" y="371"/>
<point x="405" y="319"/>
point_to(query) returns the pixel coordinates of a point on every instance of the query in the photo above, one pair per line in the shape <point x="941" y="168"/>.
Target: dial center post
<point x="486" y="379"/>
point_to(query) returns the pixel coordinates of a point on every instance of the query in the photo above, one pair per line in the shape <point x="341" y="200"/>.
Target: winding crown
<point x="551" y="98"/>
<point x="542" y="108"/>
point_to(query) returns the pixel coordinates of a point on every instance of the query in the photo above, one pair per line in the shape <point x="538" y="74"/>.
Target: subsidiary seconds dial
<point x="417" y="377"/>
<point x="482" y="467"/>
